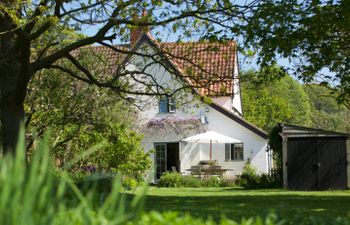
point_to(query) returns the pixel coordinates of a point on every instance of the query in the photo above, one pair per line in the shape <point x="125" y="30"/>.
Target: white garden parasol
<point x="211" y="137"/>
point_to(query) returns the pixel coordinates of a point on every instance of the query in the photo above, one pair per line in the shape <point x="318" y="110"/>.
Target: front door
<point x="166" y="158"/>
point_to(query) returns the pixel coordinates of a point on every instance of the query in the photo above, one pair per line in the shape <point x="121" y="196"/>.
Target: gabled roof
<point x="207" y="66"/>
<point x="293" y="131"/>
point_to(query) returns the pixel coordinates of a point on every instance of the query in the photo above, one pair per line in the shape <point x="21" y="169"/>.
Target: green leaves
<point x="82" y="116"/>
<point x="36" y="194"/>
<point x="270" y="96"/>
<point x="314" y="34"/>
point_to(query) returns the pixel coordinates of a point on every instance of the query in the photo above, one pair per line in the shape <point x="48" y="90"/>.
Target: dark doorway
<point x="166" y="158"/>
<point x="173" y="157"/>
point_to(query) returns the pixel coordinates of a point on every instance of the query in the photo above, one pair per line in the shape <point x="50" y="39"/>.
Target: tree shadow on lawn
<point x="289" y="207"/>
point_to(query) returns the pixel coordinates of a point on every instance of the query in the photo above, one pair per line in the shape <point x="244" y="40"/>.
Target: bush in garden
<point x="212" y="182"/>
<point x="228" y="183"/>
<point x="129" y="182"/>
<point x="272" y="180"/>
<point x="251" y="179"/>
<point x="170" y="179"/>
<point x="174" y="179"/>
<point x="190" y="181"/>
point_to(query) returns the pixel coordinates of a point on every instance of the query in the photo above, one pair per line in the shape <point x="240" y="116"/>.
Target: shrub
<point x="129" y="182"/>
<point x="190" y="181"/>
<point x="170" y="179"/>
<point x="212" y="182"/>
<point x="228" y="183"/>
<point x="251" y="179"/>
<point x="174" y="179"/>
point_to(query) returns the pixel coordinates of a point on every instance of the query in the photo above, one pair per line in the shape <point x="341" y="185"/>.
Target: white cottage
<point x="211" y="101"/>
<point x="213" y="105"/>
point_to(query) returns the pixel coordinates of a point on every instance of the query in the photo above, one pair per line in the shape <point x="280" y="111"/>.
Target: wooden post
<point x="284" y="160"/>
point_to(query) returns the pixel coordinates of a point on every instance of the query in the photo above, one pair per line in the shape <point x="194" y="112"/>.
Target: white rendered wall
<point x="191" y="153"/>
<point x="236" y="101"/>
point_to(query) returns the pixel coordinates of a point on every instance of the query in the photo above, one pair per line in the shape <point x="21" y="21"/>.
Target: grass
<point x="235" y="203"/>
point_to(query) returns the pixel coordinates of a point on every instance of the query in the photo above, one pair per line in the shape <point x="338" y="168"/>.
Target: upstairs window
<point x="234" y="152"/>
<point x="167" y="105"/>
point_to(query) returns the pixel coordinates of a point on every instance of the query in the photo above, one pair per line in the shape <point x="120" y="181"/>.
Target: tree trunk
<point x="14" y="77"/>
<point x="11" y="104"/>
<point x="12" y="115"/>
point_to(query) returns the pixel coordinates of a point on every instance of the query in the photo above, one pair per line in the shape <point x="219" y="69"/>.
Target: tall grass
<point x="35" y="193"/>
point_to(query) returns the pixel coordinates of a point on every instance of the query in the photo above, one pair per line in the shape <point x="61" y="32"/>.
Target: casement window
<point x="234" y="152"/>
<point x="167" y="105"/>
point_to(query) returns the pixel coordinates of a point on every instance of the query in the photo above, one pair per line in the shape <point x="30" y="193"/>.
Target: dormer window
<point x="167" y="105"/>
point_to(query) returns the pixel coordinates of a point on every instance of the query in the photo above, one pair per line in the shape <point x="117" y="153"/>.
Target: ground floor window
<point x="234" y="152"/>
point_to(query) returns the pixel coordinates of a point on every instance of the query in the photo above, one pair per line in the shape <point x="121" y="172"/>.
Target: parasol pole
<point x="210" y="155"/>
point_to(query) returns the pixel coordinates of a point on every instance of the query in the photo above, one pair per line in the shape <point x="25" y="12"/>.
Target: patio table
<point x="207" y="172"/>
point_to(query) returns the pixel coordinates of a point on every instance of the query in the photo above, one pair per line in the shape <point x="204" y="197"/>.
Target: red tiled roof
<point x="109" y="58"/>
<point x="209" y="65"/>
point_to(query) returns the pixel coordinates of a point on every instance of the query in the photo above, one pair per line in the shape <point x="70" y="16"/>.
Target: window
<point x="167" y="105"/>
<point x="234" y="152"/>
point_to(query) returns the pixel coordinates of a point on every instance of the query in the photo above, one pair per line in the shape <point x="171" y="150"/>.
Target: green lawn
<point x="236" y="203"/>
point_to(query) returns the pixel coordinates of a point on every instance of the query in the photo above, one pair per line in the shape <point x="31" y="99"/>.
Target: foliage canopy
<point x="316" y="34"/>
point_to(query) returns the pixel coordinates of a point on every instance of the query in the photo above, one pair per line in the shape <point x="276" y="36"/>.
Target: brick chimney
<point x="137" y="31"/>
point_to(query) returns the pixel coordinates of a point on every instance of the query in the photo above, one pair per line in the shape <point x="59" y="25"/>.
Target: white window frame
<point x="232" y="156"/>
<point x="170" y="105"/>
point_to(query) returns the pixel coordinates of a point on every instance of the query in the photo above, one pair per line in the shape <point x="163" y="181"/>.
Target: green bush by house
<point x="174" y="179"/>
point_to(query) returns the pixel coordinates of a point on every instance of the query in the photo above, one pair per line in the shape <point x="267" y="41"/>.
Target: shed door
<point x="332" y="164"/>
<point x="316" y="163"/>
<point x="301" y="164"/>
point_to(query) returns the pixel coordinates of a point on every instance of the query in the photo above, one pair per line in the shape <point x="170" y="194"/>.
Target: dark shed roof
<point x="293" y="131"/>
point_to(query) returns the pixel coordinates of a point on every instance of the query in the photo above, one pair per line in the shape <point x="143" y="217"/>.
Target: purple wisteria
<point x="176" y="123"/>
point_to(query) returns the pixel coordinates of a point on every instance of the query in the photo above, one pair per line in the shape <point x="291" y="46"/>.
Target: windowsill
<point x="238" y="160"/>
<point x="166" y="113"/>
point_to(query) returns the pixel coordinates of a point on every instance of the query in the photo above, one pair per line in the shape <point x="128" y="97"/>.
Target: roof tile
<point x="209" y="65"/>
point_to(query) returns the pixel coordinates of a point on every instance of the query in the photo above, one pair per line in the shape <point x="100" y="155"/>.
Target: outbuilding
<point x="314" y="159"/>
